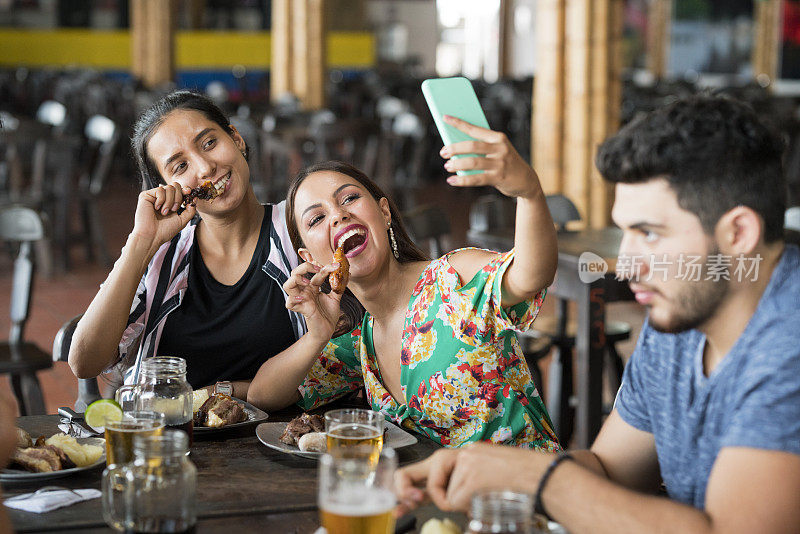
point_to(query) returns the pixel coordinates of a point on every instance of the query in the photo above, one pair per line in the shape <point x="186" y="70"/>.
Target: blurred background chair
<point x="21" y="227"/>
<point x="561" y="329"/>
<point x="102" y="136"/>
<point x="792" y="219"/>
<point x="429" y="228"/>
<point x="88" y="389"/>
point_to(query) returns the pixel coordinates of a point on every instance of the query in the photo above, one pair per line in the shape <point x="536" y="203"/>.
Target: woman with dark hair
<point x="435" y="347"/>
<point x="204" y="284"/>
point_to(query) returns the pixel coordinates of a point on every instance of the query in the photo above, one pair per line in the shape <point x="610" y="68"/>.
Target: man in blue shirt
<point x="710" y="400"/>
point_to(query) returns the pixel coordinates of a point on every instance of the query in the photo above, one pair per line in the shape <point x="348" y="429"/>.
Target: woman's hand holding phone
<point x="502" y="166"/>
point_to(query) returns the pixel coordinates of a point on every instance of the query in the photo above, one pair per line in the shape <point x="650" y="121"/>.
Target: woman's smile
<point x="353" y="239"/>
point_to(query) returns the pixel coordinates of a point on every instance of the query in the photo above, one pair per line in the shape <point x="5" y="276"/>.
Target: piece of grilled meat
<point x="299" y="426"/>
<point x="339" y="278"/>
<point x="41" y="459"/>
<point x="204" y="191"/>
<point x="23" y="439"/>
<point x="219" y="410"/>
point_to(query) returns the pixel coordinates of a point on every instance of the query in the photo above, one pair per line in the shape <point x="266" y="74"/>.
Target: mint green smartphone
<point x="455" y="97"/>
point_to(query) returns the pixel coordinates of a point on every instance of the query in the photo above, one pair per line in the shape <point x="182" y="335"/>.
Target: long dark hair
<point x="408" y="251"/>
<point x="149" y="121"/>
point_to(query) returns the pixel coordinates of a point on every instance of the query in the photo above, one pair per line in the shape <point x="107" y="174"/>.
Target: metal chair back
<point x="23" y="226"/>
<point x="429" y="224"/>
<point x="562" y="210"/>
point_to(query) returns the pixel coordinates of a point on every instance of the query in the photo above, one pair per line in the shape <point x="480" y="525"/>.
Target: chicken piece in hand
<point x="339" y="278"/>
<point x="205" y="191"/>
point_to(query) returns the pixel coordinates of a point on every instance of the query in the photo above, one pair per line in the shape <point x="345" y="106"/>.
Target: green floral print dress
<point x="463" y="373"/>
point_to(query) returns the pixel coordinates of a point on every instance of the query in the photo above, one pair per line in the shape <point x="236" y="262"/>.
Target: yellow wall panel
<point x="196" y="50"/>
<point x="211" y="50"/>
<point x="39" y="48"/>
<point x="351" y="49"/>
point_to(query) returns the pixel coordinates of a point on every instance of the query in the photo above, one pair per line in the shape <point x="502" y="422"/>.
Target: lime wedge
<point x="99" y="411"/>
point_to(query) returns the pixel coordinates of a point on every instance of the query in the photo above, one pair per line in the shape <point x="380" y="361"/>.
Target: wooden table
<point x="242" y="486"/>
<point x="591" y="299"/>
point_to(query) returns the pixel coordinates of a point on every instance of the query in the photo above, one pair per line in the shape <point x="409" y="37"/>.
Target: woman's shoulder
<point x="468" y="261"/>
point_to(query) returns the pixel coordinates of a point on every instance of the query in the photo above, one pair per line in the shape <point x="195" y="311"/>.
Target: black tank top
<point x="227" y="332"/>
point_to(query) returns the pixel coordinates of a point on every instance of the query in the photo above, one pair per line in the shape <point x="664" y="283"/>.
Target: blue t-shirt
<point x="751" y="399"/>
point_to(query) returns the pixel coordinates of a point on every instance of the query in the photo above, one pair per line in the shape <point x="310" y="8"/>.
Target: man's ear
<point x="305" y="255"/>
<point x="739" y="231"/>
<point x="387" y="213"/>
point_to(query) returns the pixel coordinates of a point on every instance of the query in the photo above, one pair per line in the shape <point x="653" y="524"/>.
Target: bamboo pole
<point x="766" y="45"/>
<point x="138" y="18"/>
<point x="577" y="95"/>
<point x="617" y="23"/>
<point x="162" y="39"/>
<point x="315" y="59"/>
<point x="153" y="41"/>
<point x="300" y="45"/>
<point x="658" y="35"/>
<point x="505" y="66"/>
<point x="600" y="83"/>
<point x="577" y="109"/>
<point x="547" y="139"/>
<point x="281" y="75"/>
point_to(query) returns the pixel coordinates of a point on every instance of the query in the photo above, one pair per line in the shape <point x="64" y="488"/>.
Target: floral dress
<point x="463" y="373"/>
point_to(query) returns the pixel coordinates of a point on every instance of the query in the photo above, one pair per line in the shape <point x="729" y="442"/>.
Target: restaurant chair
<point x="88" y="389"/>
<point x="21" y="359"/>
<point x="562" y="330"/>
<point x="791" y="219"/>
<point x="408" y="157"/>
<point x="103" y="136"/>
<point x="354" y="141"/>
<point x="429" y="224"/>
<point x="53" y="114"/>
<point x="250" y="133"/>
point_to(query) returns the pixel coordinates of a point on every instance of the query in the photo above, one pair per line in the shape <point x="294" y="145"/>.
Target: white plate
<point x="254" y="415"/>
<point x="16" y="475"/>
<point x="269" y="434"/>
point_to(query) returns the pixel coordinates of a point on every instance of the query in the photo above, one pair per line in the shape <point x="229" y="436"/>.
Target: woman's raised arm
<point x="97" y="336"/>
<point x="535" y="244"/>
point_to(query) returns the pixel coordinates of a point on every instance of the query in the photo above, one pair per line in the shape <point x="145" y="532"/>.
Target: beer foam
<point x="358" y="502"/>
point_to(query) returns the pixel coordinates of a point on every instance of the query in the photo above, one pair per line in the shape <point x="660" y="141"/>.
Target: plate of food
<point x="58" y="456"/>
<point x="305" y="436"/>
<point x="216" y="412"/>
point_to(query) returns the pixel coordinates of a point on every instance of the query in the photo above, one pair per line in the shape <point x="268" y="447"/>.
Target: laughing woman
<point x="204" y="284"/>
<point x="435" y="348"/>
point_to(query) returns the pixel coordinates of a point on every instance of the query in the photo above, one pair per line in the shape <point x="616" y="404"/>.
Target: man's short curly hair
<point x="714" y="151"/>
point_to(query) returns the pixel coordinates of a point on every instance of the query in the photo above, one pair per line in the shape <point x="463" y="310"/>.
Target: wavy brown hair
<point x="408" y="251"/>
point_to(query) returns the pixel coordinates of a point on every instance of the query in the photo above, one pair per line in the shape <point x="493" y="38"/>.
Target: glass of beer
<point x="356" y="497"/>
<point x="120" y="434"/>
<point x="355" y="433"/>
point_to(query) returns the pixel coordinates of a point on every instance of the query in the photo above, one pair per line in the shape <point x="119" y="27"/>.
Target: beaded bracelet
<point x="538" y="505"/>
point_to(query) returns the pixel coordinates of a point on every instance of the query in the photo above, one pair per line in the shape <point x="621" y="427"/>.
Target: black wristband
<point x="538" y="506"/>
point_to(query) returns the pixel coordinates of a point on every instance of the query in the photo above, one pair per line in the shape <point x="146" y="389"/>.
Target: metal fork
<point x="71" y="430"/>
<point x="44" y="489"/>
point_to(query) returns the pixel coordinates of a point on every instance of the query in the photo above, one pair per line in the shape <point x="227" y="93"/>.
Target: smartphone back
<point x="455" y="97"/>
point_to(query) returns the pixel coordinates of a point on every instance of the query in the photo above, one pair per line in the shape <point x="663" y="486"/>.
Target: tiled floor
<point x="65" y="295"/>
